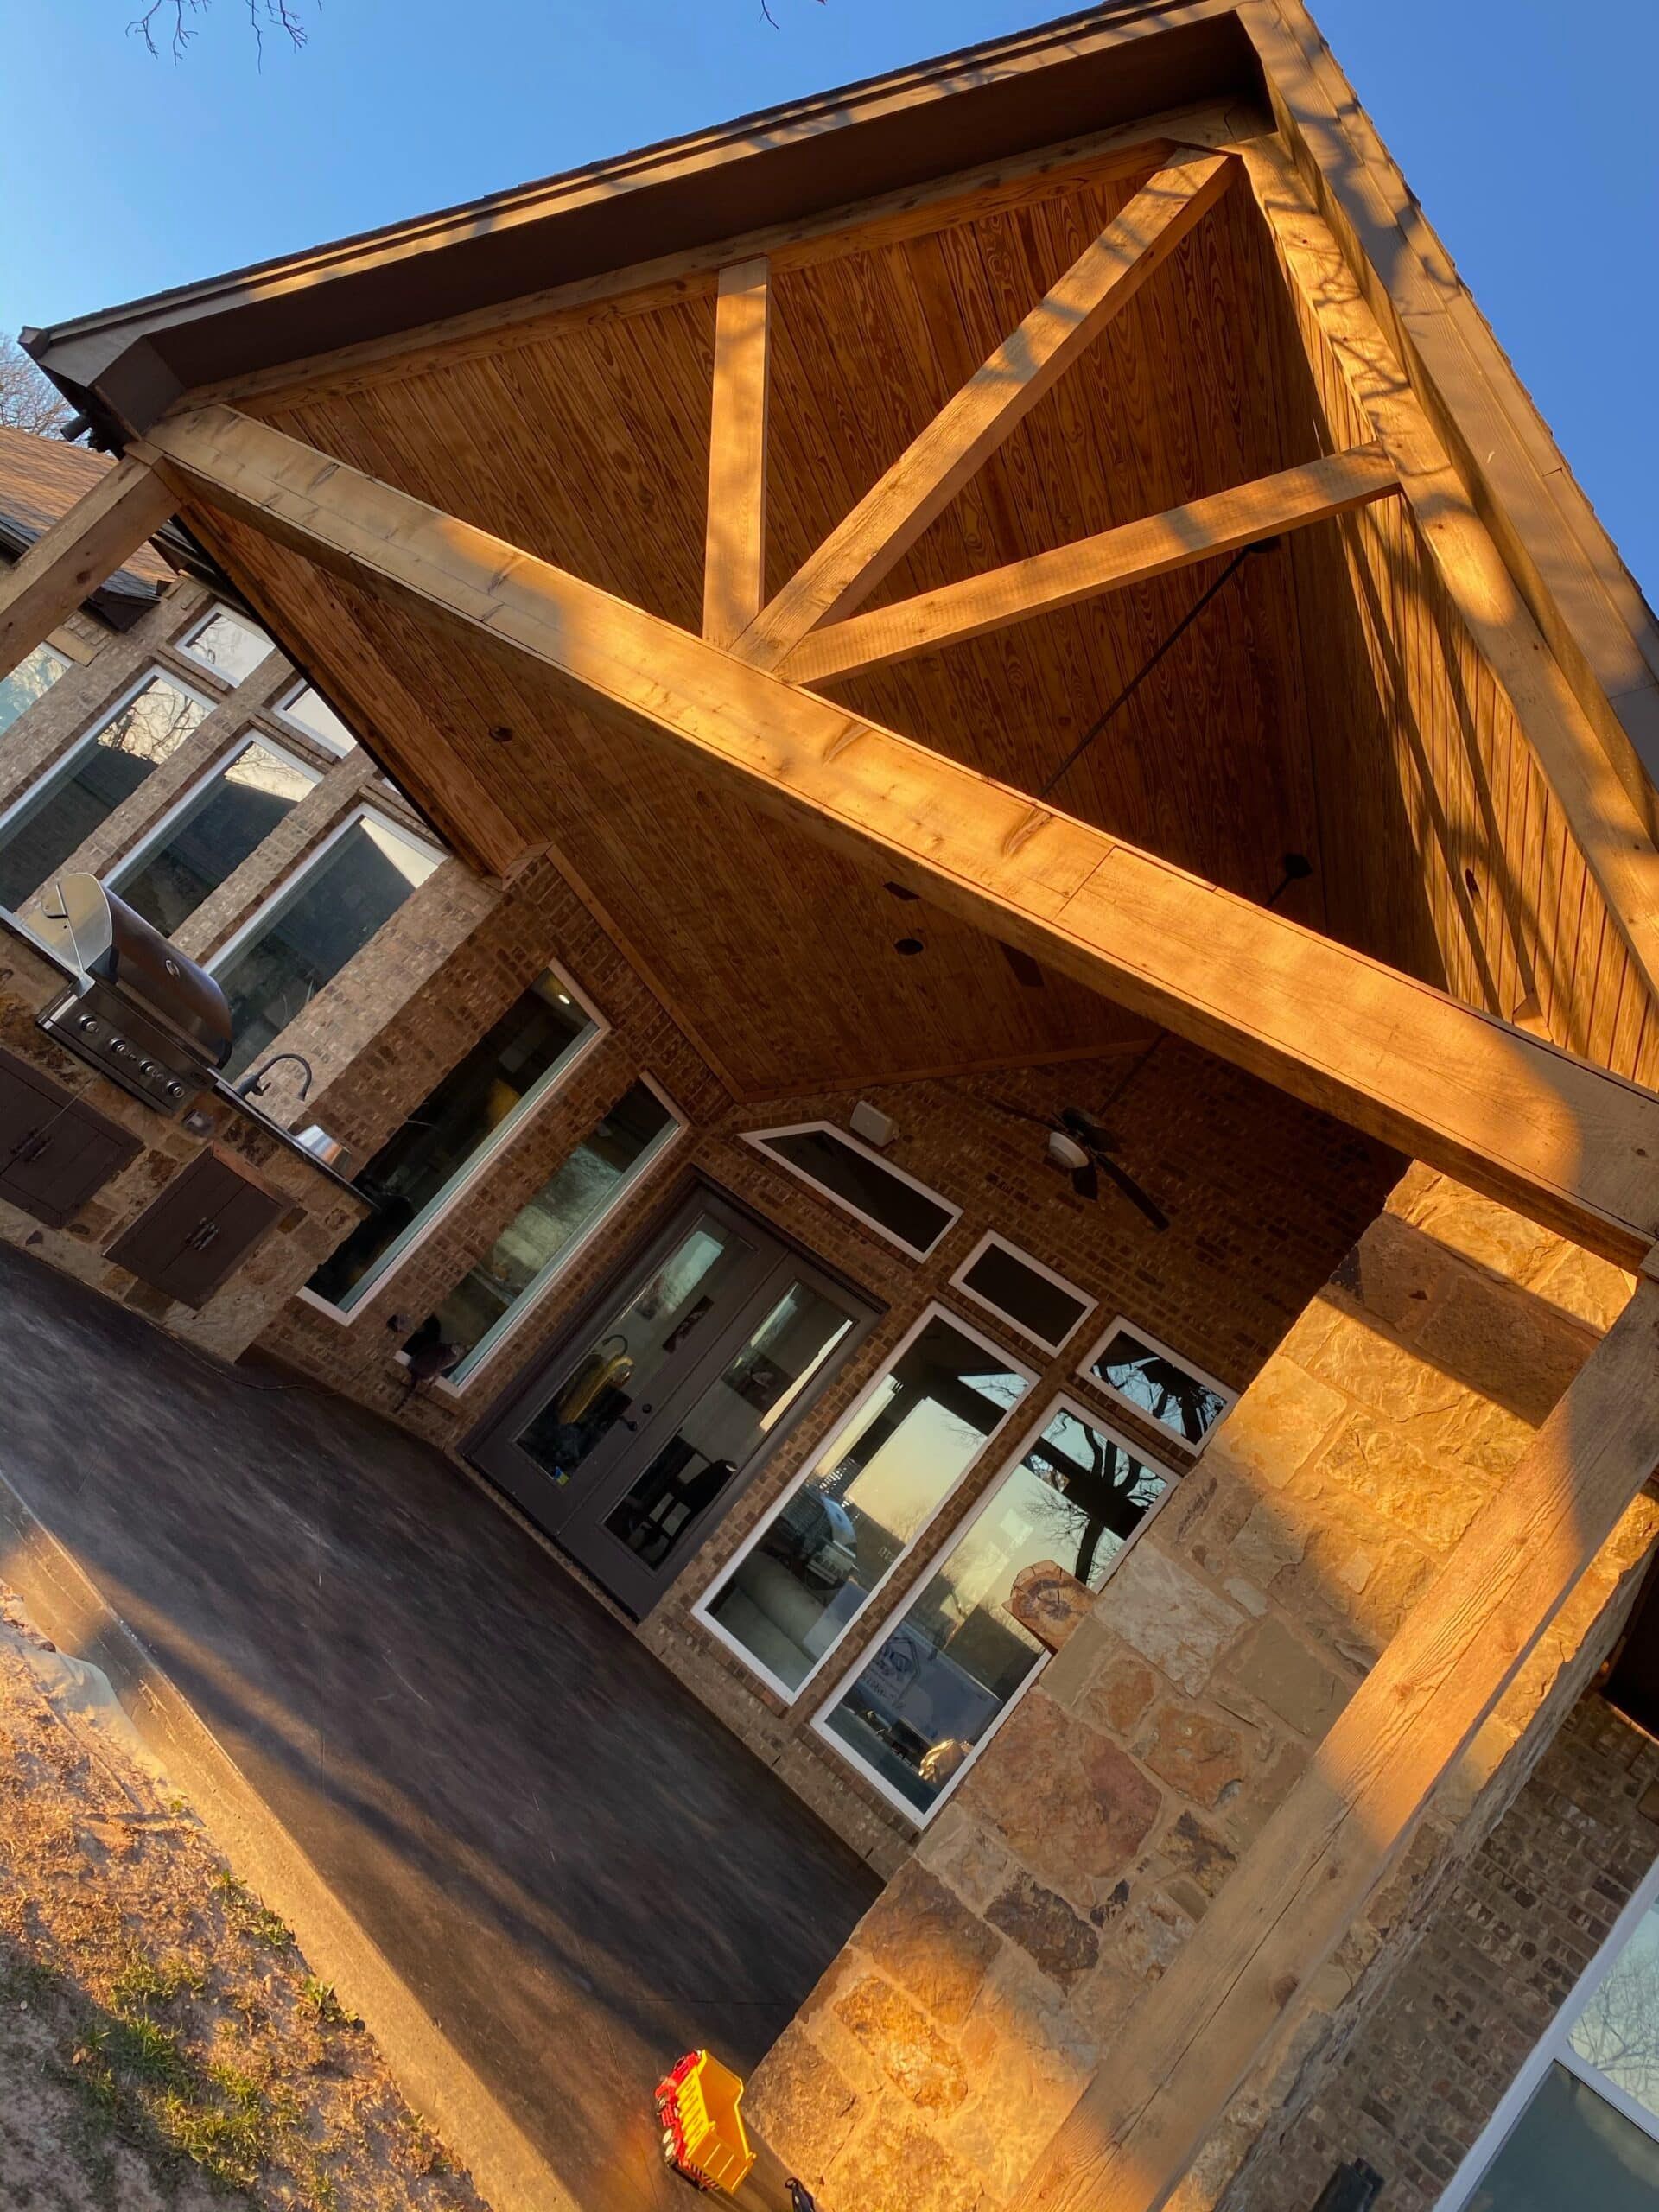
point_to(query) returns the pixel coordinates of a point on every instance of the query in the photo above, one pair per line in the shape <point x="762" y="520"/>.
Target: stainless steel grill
<point x="148" y="1017"/>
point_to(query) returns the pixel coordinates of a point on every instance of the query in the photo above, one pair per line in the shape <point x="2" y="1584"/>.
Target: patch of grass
<point x="319" y="1997"/>
<point x="144" y="1985"/>
<point x="253" y="1918"/>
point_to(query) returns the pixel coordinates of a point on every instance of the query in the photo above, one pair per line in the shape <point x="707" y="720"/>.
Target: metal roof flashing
<point x="1084" y="73"/>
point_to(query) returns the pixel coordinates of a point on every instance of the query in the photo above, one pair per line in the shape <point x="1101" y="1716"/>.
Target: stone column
<point x="993" y="1978"/>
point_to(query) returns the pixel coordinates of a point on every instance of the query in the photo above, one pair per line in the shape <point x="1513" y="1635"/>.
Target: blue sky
<point x="1530" y="142"/>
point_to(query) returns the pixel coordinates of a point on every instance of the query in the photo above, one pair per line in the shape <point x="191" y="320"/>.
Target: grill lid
<point x="99" y="934"/>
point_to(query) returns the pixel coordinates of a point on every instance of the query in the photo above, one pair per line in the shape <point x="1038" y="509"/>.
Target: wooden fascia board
<point x="1578" y="589"/>
<point x="1112" y="559"/>
<point x="1570" y="1145"/>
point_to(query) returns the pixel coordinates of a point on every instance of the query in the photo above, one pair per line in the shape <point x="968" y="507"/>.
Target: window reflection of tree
<point x="1104" y="1491"/>
<point x="1617" y="2030"/>
<point x="1172" y="1396"/>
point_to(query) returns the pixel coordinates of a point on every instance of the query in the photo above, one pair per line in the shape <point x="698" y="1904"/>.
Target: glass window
<point x="230" y="645"/>
<point x="906" y="1212"/>
<point x="956" y="1658"/>
<point x="306" y="935"/>
<point x="211" y="833"/>
<point x="101" y="774"/>
<point x="1136" y="1369"/>
<point x="313" y="714"/>
<point x="419" y="1172"/>
<point x="1588" y="2132"/>
<point x="537" y="1242"/>
<point x="1009" y="1282"/>
<point x="811" y="1567"/>
<point x="31" y="679"/>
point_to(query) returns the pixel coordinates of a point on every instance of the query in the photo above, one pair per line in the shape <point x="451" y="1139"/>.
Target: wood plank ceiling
<point x="583" y="436"/>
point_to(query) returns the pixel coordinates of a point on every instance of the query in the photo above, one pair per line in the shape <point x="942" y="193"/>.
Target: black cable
<point x="1146" y="667"/>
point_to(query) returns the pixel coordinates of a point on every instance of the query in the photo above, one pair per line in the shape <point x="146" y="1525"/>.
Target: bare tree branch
<point x="28" y="401"/>
<point x="175" y="23"/>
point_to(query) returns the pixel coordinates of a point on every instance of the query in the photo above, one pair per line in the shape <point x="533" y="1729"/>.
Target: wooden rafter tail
<point x="1599" y="812"/>
<point x="1111" y="561"/>
<point x="82" y="549"/>
<point x="1565" y="1143"/>
<point x="735" y="560"/>
<point x="942" y="458"/>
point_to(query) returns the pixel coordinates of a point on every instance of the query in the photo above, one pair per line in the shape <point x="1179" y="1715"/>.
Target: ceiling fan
<point x="1083" y="1148"/>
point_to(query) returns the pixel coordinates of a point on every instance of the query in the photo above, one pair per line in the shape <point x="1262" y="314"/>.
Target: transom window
<point x="56" y="815"/>
<point x="859" y="1181"/>
<point x="1581" y="2127"/>
<point x="309" y="711"/>
<point x="914" y="1715"/>
<point x="1161" y="1384"/>
<point x="1000" y="1277"/>
<point x="455" y="1131"/>
<point x="231" y="645"/>
<point x="833" y="1540"/>
<point x="208" y="836"/>
<point x="31" y="679"/>
<point x="301" y="940"/>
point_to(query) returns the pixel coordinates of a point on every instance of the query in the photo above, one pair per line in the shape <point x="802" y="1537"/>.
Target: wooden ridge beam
<point x="942" y="458"/>
<point x="83" y="549"/>
<point x="734" y="559"/>
<point x="1193" y="2040"/>
<point x="1599" y="808"/>
<point x="1111" y="561"/>
<point x="1567" y="1144"/>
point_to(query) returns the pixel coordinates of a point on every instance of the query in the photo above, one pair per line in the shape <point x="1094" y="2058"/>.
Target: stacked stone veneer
<point x="997" y="1973"/>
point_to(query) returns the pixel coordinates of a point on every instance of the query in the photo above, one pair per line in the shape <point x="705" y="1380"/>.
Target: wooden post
<point x="1568" y="1144"/>
<point x="734" y="567"/>
<point x="1195" y="2036"/>
<point x="105" y="525"/>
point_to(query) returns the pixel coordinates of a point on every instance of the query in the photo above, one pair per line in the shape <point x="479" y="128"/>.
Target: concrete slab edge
<point x="67" y="1605"/>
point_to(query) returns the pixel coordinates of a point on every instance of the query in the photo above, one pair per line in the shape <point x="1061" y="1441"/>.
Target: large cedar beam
<point x="735" y="562"/>
<point x="1599" y="812"/>
<point x="940" y="460"/>
<point x="1195" y="2036"/>
<point x="82" y="549"/>
<point x="1570" y="1145"/>
<point x="1111" y="561"/>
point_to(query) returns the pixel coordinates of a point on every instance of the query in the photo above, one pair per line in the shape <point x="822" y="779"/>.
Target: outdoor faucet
<point x="257" y="1081"/>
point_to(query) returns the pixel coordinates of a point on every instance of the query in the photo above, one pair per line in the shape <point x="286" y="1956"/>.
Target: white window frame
<point x="1085" y="1373"/>
<point x="1554" y="2049"/>
<point x="759" y="1139"/>
<point x="934" y="1310"/>
<point x="156" y="835"/>
<point x="1064" y="1403"/>
<point x="959" y="1281"/>
<point x="62" y="770"/>
<point x="535" y="1292"/>
<point x="466" y="1177"/>
<point x="186" y="642"/>
<point x="293" y="885"/>
<point x="328" y="744"/>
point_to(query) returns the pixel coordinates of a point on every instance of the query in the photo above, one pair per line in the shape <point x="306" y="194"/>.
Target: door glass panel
<point x="725" y="1427"/>
<point x="957" y="1657"/>
<point x="876" y="1487"/>
<point x="1570" y="2152"/>
<point x="612" y="1380"/>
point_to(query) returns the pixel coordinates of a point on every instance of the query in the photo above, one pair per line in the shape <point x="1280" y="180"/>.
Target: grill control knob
<point x="175" y="1091"/>
<point x="119" y="1049"/>
<point x="87" y="1024"/>
<point x="148" y="1068"/>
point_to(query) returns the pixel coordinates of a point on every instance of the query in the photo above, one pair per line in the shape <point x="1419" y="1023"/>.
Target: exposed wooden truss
<point x="102" y="530"/>
<point x="1564" y="1142"/>
<point x="735" y="565"/>
<point x="927" y="476"/>
<point x="1312" y="492"/>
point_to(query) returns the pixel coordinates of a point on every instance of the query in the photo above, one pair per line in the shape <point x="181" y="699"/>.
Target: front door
<point x="637" y="1431"/>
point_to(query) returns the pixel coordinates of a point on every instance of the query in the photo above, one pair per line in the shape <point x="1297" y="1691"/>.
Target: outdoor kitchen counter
<point x="319" y="1207"/>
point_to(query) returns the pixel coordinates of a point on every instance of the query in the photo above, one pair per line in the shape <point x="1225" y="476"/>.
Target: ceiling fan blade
<point x="1017" y="1113"/>
<point x="1085" y="1182"/>
<point x="1093" y="1133"/>
<point x="1026" y="969"/>
<point x="1140" y="1199"/>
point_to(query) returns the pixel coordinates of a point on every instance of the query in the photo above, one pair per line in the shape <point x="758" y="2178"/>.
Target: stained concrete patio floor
<point x="577" y="1871"/>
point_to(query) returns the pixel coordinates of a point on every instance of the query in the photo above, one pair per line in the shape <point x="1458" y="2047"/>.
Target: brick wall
<point x="982" y="1993"/>
<point x="1441" y="2042"/>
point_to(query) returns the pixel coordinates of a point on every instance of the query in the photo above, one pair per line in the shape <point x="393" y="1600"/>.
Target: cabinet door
<point x="200" y="1230"/>
<point x="55" y="1151"/>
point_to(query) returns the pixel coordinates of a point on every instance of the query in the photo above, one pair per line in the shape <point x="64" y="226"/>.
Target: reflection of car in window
<point x="816" y="1538"/>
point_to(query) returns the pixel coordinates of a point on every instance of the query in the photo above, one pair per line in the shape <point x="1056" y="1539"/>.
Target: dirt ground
<point x="162" y="2044"/>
